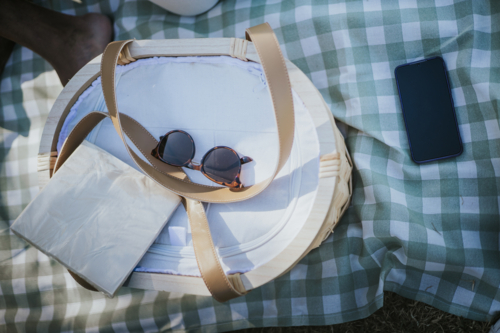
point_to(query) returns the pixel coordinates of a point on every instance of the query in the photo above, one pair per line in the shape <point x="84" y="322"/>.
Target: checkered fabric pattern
<point x="428" y="232"/>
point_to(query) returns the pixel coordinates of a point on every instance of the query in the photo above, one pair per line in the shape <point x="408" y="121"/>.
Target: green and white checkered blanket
<point x="427" y="232"/>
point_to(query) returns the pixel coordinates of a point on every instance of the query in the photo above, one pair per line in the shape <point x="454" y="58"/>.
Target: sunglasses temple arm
<point x="245" y="159"/>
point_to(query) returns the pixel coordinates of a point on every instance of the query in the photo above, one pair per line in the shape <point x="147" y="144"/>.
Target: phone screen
<point x="428" y="111"/>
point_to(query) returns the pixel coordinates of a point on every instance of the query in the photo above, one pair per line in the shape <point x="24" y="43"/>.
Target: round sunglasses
<point x="221" y="164"/>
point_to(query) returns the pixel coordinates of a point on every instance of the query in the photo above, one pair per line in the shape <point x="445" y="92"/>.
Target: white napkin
<point x="97" y="216"/>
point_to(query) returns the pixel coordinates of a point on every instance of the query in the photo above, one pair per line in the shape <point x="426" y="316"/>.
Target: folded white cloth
<point x="97" y="216"/>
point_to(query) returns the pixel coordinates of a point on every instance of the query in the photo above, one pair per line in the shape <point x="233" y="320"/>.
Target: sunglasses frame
<point x="236" y="183"/>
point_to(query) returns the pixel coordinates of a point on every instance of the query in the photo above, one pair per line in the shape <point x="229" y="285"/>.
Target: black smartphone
<point x="429" y="115"/>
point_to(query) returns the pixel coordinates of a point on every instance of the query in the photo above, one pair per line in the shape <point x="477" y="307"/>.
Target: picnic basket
<point x="328" y="201"/>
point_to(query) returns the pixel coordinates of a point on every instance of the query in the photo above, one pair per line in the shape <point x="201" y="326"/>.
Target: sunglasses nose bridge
<point x="194" y="166"/>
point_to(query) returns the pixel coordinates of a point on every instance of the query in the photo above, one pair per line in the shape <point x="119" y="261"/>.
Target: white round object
<point x="195" y="86"/>
<point x="186" y="7"/>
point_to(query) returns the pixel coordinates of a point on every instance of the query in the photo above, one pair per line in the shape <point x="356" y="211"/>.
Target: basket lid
<point x="219" y="101"/>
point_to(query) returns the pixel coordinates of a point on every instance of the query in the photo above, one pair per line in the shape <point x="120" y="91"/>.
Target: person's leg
<point x="66" y="42"/>
<point x="6" y="47"/>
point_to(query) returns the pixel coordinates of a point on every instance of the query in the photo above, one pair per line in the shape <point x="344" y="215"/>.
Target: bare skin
<point x="6" y="47"/>
<point x="66" y="42"/>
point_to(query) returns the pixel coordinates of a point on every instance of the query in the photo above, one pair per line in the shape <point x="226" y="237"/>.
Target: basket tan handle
<point x="281" y="94"/>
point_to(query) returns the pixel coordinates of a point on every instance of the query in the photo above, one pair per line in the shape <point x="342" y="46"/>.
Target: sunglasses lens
<point x="222" y="165"/>
<point x="177" y="148"/>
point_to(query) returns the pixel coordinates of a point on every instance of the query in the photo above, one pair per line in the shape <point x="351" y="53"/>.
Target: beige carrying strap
<point x="279" y="86"/>
<point x="221" y="286"/>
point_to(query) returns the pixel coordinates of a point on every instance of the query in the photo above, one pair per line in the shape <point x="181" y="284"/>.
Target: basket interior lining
<point x="236" y="112"/>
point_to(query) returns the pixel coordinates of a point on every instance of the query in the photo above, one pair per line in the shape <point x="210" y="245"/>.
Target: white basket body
<point x="331" y="190"/>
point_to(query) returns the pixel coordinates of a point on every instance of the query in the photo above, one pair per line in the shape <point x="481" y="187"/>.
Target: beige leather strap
<point x="274" y="66"/>
<point x="210" y="268"/>
<point x="279" y="86"/>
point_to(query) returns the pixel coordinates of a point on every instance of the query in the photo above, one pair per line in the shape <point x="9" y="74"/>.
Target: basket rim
<point x="327" y="207"/>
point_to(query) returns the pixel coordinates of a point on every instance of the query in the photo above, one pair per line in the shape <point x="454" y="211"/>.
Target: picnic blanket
<point x="427" y="232"/>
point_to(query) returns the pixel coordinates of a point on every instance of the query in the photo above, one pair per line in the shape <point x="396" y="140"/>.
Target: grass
<point x="398" y="314"/>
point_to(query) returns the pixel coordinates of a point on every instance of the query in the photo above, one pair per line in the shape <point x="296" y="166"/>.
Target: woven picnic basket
<point x="332" y="191"/>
